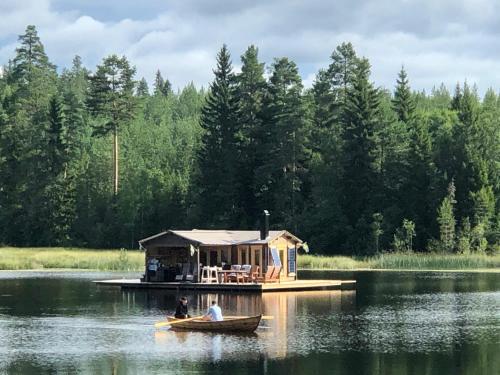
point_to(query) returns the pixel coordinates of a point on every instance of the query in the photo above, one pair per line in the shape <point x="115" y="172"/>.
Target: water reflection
<point x="398" y="323"/>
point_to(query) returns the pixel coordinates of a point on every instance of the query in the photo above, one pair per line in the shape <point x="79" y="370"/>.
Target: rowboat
<point x="229" y="324"/>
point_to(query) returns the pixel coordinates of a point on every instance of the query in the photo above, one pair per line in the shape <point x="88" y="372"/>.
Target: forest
<point x="97" y="158"/>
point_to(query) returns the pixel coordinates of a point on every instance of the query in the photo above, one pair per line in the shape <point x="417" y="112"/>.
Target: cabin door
<point x="256" y="257"/>
<point x="213" y="258"/>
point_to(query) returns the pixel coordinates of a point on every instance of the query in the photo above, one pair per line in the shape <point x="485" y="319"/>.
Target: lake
<point x="394" y="323"/>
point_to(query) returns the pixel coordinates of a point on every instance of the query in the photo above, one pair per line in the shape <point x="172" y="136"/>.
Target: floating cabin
<point x="225" y="260"/>
<point x="197" y="248"/>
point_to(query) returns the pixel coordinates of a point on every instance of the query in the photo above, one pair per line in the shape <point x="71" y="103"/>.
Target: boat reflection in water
<point x="291" y="323"/>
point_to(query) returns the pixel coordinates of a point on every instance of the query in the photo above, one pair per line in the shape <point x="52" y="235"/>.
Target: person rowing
<point x="214" y="313"/>
<point x="181" y="312"/>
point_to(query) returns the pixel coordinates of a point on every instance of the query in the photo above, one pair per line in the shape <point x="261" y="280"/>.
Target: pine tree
<point x="217" y="158"/>
<point x="30" y="58"/>
<point x="343" y="71"/>
<point x="111" y="98"/>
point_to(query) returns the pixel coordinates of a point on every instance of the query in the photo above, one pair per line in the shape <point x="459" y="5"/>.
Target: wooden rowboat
<point x="229" y="324"/>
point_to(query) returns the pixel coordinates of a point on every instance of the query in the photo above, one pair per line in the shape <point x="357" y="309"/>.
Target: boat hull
<point x="232" y="324"/>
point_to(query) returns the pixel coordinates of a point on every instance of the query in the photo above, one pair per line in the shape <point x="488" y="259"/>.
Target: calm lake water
<point x="394" y="323"/>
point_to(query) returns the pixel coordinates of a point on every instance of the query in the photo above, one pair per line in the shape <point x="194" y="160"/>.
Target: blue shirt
<point x="215" y="312"/>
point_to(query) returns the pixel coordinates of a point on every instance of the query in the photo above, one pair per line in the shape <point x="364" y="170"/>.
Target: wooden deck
<point x="297" y="285"/>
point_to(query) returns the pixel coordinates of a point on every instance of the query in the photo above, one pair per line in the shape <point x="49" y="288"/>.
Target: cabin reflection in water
<point x="289" y="309"/>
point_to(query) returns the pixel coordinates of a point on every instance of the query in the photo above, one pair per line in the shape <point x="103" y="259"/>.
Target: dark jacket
<point x="181" y="311"/>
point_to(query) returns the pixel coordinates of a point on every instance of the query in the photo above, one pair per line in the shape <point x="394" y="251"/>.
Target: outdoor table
<point x="225" y="273"/>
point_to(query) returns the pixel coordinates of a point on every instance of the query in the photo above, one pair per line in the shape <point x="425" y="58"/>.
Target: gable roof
<point x="223" y="237"/>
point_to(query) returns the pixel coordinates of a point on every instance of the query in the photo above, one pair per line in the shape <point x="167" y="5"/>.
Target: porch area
<point x="297" y="285"/>
<point x="220" y="257"/>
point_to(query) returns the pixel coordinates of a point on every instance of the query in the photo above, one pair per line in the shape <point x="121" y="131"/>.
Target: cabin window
<point x="275" y="256"/>
<point x="291" y="260"/>
<point x="223" y="256"/>
<point x="243" y="258"/>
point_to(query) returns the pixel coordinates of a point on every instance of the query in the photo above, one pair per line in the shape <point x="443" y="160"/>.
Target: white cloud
<point x="445" y="41"/>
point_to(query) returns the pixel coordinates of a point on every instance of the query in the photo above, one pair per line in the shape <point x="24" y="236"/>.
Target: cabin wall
<point x="170" y="259"/>
<point x="283" y="244"/>
<point x="215" y="255"/>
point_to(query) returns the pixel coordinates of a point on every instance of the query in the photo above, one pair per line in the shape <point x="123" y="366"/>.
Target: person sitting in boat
<point x="214" y="313"/>
<point x="181" y="312"/>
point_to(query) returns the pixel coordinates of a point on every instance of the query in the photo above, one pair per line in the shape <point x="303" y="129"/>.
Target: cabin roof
<point x="210" y="237"/>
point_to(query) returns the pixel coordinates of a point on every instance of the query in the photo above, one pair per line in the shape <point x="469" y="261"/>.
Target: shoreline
<point x="95" y="260"/>
<point x="476" y="270"/>
<point x="471" y="270"/>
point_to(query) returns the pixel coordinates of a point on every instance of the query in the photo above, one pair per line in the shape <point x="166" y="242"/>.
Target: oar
<point x="163" y="324"/>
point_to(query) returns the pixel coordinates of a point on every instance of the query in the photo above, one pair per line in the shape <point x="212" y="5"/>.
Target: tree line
<point x="97" y="159"/>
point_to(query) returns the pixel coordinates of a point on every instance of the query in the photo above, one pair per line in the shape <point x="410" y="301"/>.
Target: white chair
<point x="214" y="275"/>
<point x="209" y="275"/>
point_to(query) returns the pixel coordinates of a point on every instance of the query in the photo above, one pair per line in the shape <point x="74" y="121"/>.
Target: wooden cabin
<point x="168" y="252"/>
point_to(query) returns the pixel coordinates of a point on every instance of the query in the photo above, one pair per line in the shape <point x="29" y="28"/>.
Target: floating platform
<point x="297" y="285"/>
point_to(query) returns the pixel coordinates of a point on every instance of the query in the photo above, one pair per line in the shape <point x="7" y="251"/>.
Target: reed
<point x="402" y="261"/>
<point x="71" y="258"/>
<point x="423" y="261"/>
<point x="13" y="258"/>
<point x="321" y="262"/>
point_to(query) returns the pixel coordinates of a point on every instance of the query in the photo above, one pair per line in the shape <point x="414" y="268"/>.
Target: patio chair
<point x="267" y="276"/>
<point x="247" y="268"/>
<point x="275" y="277"/>
<point x="180" y="276"/>
<point x="253" y="274"/>
<point x="184" y="273"/>
<point x="189" y="273"/>
<point x="235" y="276"/>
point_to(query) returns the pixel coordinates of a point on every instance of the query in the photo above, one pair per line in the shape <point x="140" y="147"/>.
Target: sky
<point x="437" y="41"/>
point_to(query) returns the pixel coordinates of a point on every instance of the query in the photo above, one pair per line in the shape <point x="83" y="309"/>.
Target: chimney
<point x="264" y="225"/>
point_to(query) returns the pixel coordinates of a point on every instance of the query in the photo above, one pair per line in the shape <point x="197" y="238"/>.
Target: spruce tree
<point x="161" y="86"/>
<point x="251" y="136"/>
<point x="446" y="220"/>
<point x="142" y="88"/>
<point x="359" y="170"/>
<point x="283" y="178"/>
<point x="218" y="155"/>
<point x="32" y="81"/>
<point x="328" y="98"/>
<point x="59" y="194"/>
<point x="403" y="102"/>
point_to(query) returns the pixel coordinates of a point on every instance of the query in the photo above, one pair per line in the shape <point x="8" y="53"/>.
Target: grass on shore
<point x="13" y="258"/>
<point x="402" y="261"/>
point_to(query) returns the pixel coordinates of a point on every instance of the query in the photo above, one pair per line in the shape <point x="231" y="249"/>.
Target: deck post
<point x="198" y="277"/>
